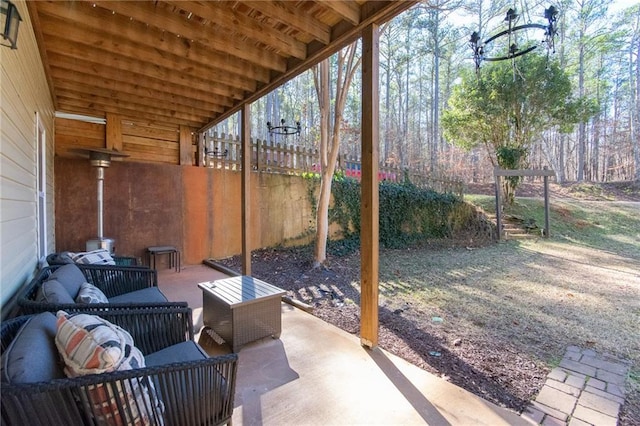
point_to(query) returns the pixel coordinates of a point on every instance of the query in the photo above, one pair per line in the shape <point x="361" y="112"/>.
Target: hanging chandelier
<point x="283" y="129"/>
<point x="481" y="49"/>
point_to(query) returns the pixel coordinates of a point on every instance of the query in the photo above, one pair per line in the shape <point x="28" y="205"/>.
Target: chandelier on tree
<point x="514" y="37"/>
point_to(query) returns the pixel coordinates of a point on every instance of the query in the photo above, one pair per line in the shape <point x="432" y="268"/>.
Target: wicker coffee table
<point x="242" y="309"/>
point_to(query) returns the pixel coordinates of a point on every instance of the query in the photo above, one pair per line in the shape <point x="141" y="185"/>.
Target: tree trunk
<point x="346" y="67"/>
<point x="321" y="79"/>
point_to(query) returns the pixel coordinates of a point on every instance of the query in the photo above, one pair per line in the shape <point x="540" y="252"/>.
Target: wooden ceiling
<point x="189" y="63"/>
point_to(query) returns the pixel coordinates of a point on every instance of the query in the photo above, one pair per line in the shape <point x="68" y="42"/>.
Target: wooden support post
<point x="246" y="193"/>
<point x="498" y="205"/>
<point x="201" y="160"/>
<point x="186" y="146"/>
<point x="369" y="245"/>
<point x="113" y="135"/>
<point x="547" y="226"/>
<point x="497" y="173"/>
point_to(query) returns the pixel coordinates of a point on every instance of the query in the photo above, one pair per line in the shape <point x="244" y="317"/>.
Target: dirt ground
<point x="469" y="324"/>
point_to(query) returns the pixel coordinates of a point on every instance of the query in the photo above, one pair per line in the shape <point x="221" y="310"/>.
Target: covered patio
<point x="144" y="69"/>
<point x="318" y="374"/>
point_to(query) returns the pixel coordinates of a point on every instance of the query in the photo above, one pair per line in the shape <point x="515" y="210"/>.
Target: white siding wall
<point x="23" y="92"/>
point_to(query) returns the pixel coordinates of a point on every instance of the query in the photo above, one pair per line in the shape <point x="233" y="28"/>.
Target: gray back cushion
<point x="71" y="277"/>
<point x="51" y="291"/>
<point x="32" y="356"/>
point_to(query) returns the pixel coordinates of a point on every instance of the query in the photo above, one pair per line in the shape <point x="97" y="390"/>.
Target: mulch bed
<point x="492" y="370"/>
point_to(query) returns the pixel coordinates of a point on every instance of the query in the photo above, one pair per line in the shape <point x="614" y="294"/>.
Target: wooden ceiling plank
<point x="348" y="10"/>
<point x="80" y="40"/>
<point x="194" y="108"/>
<point x="232" y="21"/>
<point x="146" y="12"/>
<point x="279" y="11"/>
<point x="91" y="106"/>
<point x="134" y="70"/>
<point x="84" y="16"/>
<point x="118" y="104"/>
<point x="87" y="81"/>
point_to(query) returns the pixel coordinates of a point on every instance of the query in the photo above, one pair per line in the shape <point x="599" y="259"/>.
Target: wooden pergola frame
<point x="369" y="245"/>
<point x="498" y="173"/>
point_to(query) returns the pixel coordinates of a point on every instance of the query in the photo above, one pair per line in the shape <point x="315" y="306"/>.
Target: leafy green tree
<point x="507" y="106"/>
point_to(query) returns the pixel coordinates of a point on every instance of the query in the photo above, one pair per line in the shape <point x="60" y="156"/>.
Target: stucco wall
<point x="23" y="93"/>
<point x="196" y="209"/>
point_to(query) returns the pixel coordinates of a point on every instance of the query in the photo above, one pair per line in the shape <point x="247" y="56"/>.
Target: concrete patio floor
<point x="318" y="374"/>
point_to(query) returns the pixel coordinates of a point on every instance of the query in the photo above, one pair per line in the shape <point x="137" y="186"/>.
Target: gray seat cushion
<point x="32" y="356"/>
<point x="185" y="351"/>
<point x="146" y="295"/>
<point x="71" y="277"/>
<point x="193" y="394"/>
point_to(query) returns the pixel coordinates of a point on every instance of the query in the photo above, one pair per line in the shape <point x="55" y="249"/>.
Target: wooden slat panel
<point x="151" y="38"/>
<point x="142" y="97"/>
<point x="117" y="50"/>
<point x="150" y="144"/>
<point x="142" y="154"/>
<point x="161" y="18"/>
<point x="302" y="22"/>
<point x="104" y="63"/>
<point x="348" y="10"/>
<point x="130" y="103"/>
<point x="83" y="75"/>
<point x="230" y="21"/>
<point x="92" y="108"/>
<point x="79" y="128"/>
<point x="148" y="131"/>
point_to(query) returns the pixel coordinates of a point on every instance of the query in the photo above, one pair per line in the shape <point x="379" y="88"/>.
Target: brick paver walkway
<point x="585" y="389"/>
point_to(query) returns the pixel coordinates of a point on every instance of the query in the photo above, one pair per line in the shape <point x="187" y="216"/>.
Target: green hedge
<point x="408" y="214"/>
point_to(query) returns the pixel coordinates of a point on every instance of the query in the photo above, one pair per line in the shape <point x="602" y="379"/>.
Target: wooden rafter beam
<point x="281" y="12"/>
<point x="82" y="15"/>
<point x="230" y="20"/>
<point x="160" y="17"/>
<point x="349" y="10"/>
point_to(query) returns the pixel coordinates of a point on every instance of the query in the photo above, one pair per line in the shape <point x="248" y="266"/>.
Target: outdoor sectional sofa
<point x="63" y="287"/>
<point x="161" y="377"/>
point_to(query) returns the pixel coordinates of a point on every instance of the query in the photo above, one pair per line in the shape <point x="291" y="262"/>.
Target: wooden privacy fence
<point x="225" y="152"/>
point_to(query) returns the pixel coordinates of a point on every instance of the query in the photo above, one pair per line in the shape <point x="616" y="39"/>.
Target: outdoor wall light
<point x="9" y="23"/>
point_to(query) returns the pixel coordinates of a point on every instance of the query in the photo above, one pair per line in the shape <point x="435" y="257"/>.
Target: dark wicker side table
<point x="174" y="256"/>
<point x="242" y="309"/>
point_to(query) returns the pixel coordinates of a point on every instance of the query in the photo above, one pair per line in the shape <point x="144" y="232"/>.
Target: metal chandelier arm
<point x="550" y="30"/>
